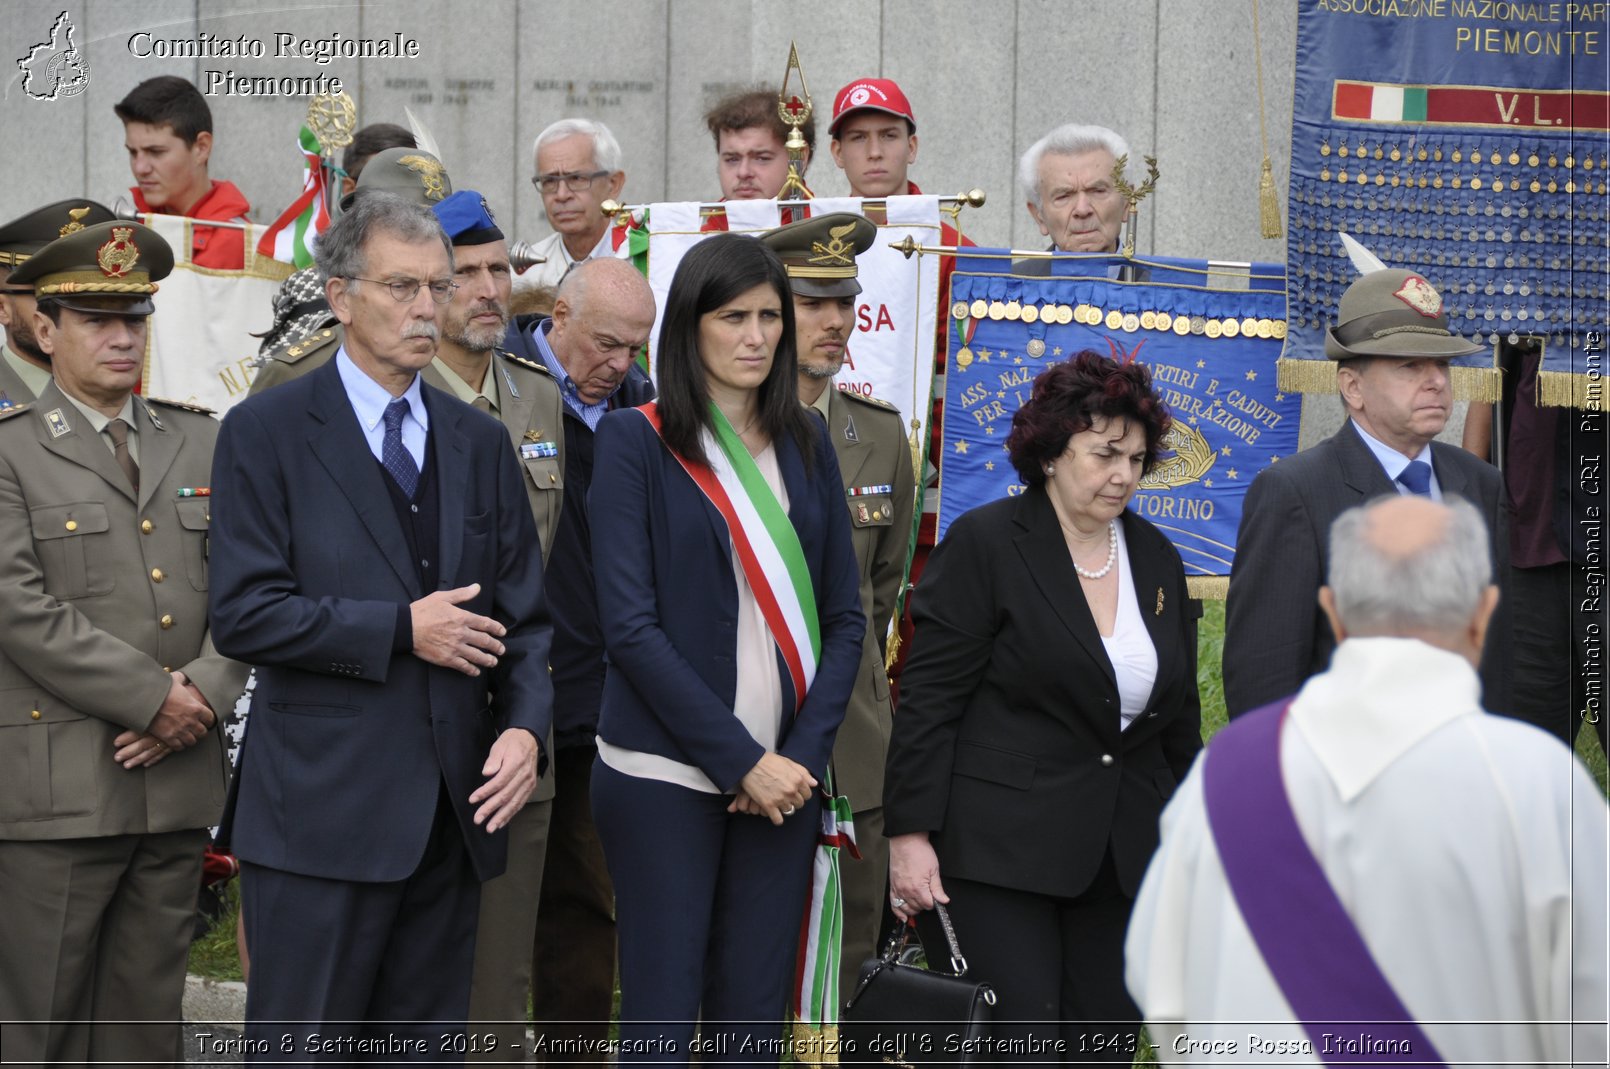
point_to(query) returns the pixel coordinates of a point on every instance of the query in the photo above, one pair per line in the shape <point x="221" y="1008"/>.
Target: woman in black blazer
<point x="1047" y="711"/>
<point x="719" y="706"/>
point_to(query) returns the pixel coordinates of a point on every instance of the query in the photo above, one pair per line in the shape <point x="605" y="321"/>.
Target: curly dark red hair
<point x="1070" y="396"/>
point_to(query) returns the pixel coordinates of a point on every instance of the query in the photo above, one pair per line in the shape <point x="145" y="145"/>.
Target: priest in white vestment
<point x="1469" y="850"/>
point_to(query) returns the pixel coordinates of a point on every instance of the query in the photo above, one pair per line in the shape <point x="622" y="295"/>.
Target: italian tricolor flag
<point x="290" y="237"/>
<point x="1380" y="103"/>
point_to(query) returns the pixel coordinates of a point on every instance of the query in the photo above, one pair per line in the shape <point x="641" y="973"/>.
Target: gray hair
<point x="340" y="250"/>
<point x="606" y="150"/>
<point x="1065" y="140"/>
<point x="1432" y="588"/>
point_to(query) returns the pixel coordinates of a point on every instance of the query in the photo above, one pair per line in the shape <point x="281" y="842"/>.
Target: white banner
<point x="891" y="355"/>
<point x="200" y="347"/>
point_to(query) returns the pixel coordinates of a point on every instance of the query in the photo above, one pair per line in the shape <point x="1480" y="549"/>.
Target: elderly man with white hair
<point x="578" y="167"/>
<point x="1377" y="868"/>
<point x="1066" y="179"/>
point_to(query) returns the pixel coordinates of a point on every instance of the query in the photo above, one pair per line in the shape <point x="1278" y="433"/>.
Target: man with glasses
<point x="578" y="167"/>
<point x="372" y="555"/>
<point x="603" y="314"/>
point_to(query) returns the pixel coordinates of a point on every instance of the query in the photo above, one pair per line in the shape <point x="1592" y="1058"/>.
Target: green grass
<point x="213" y="955"/>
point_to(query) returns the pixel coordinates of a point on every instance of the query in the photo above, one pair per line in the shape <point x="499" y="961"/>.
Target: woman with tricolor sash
<point x="727" y="593"/>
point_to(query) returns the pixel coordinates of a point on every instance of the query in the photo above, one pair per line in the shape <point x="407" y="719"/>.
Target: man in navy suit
<point x="377" y="561"/>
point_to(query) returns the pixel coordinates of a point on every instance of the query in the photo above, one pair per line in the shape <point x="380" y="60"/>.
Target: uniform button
<point x="413" y="508"/>
<point x="1106" y="760"/>
<point x="166" y="621"/>
<point x="156" y="575"/>
<point x="146" y="527"/>
<point x="424" y="564"/>
<point x="72" y="525"/>
<point x="34" y="714"/>
<point x="552" y="477"/>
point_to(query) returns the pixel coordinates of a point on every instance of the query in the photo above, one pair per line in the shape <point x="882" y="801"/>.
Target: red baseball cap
<point x="870" y="94"/>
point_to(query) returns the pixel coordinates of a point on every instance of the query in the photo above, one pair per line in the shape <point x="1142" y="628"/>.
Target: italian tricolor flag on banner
<point x="289" y="238"/>
<point x="1380" y="103"/>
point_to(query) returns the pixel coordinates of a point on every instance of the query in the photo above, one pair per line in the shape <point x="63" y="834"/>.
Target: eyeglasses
<point x="575" y="181"/>
<point x="406" y="289"/>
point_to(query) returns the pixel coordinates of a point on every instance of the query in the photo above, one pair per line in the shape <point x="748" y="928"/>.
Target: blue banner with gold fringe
<point x="1466" y="140"/>
<point x="1212" y="352"/>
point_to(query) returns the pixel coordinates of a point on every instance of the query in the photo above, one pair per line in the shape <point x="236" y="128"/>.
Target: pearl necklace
<point x="1112" y="554"/>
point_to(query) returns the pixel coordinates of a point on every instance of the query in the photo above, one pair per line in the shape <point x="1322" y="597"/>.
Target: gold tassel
<point x="1481" y="384"/>
<point x="1562" y="389"/>
<point x="1268" y="202"/>
<point x="892" y="649"/>
<point x="1208" y="587"/>
<point x="1305" y="376"/>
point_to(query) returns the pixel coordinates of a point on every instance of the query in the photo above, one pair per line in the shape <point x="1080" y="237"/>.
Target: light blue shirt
<point x="369" y="400"/>
<point x="1394" y="462"/>
<point x="590" y="414"/>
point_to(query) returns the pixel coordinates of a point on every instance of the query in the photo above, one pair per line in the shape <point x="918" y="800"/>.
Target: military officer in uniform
<point x="880" y="491"/>
<point x="110" y="752"/>
<point x="24" y="370"/>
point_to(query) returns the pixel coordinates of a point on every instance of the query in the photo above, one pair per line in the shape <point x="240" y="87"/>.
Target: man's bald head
<point x="1409" y="567"/>
<point x="602" y="315"/>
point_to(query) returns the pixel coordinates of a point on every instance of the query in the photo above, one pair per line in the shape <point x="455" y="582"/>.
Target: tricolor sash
<point x="815" y="1000"/>
<point x="1288" y="904"/>
<point x="767" y="545"/>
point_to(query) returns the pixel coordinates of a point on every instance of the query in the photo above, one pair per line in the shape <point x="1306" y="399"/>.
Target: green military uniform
<point x="20" y="380"/>
<point x="880" y="489"/>
<point x="104" y="592"/>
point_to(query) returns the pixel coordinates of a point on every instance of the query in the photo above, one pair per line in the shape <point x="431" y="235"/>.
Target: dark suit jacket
<point x="349" y="740"/>
<point x="1007" y="746"/>
<point x="668" y="603"/>
<point x="1275" y="635"/>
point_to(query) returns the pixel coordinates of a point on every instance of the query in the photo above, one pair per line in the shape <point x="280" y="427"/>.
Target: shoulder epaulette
<point x="186" y="405"/>
<point x="15" y="408"/>
<point x="523" y="362"/>
<point x="875" y="402"/>
<point x="294" y="349"/>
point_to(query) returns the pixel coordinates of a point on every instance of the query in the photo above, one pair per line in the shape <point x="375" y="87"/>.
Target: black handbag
<point x="905" y="1015"/>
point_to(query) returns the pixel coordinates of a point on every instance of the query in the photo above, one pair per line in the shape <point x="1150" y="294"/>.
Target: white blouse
<point x="758" y="701"/>
<point x="1129" y="647"/>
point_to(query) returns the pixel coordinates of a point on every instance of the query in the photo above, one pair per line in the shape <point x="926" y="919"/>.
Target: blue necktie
<point x="393" y="454"/>
<point x="1417" y="477"/>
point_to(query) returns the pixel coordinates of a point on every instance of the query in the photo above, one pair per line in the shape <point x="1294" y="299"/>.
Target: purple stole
<point x="1290" y="907"/>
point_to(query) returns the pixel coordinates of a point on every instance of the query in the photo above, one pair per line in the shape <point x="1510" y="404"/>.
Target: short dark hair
<point x="50" y="309"/>
<point x="167" y="100"/>
<point x="376" y="137"/>
<point x="754" y="107"/>
<point x="1070" y="396"/>
<point x="714" y="272"/>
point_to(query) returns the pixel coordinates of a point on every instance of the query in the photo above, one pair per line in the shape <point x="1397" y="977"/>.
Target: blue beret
<point x="467" y="218"/>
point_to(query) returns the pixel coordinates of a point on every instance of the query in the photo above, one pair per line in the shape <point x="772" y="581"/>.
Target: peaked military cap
<point x="117" y="259"/>
<point x="26" y="235"/>
<point x="820" y="252"/>
<point x="411" y="173"/>
<point x="1395" y="314"/>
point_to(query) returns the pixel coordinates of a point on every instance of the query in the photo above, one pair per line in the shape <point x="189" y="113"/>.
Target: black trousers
<point x="376" y="971"/>
<point x="709" y="905"/>
<point x="1056" y="964"/>
<point x="1555" y="624"/>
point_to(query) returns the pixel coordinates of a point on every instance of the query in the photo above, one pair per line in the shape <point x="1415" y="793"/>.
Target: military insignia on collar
<point x="1418" y="294"/>
<point x="849" y="430"/>
<point x="75" y="221"/>
<point x="119" y="254"/>
<point x="430" y="175"/>
<point x="836" y="252"/>
<point x="57" y="423"/>
<point x="508" y="380"/>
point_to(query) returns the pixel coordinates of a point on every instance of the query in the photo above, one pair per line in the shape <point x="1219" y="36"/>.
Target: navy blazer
<point x="1008" y="747"/>
<point x="668" y="603"/>
<point x="349" y="741"/>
